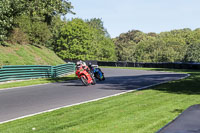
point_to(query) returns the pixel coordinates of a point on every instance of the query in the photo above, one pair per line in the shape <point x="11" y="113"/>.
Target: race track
<point x="19" y="102"/>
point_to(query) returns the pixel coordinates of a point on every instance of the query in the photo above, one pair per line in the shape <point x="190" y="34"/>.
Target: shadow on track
<point x="133" y="82"/>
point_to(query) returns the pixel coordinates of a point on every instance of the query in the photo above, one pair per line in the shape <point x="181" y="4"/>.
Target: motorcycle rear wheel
<point x="93" y="80"/>
<point x="103" y="78"/>
<point x="97" y="76"/>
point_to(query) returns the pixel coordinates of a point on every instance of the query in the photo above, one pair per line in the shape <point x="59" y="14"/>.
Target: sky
<point x="120" y="16"/>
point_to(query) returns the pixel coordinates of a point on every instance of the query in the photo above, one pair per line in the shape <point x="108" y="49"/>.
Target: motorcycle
<point x="97" y="72"/>
<point x="84" y="74"/>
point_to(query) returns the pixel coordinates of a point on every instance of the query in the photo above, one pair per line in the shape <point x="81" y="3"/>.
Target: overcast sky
<point x="120" y="16"/>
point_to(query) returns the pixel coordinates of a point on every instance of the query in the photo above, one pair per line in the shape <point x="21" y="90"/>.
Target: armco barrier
<point x="21" y="72"/>
<point x="63" y="69"/>
<point x="176" y="65"/>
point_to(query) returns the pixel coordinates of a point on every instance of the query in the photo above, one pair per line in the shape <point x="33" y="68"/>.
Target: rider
<point x="91" y="67"/>
<point x="81" y="64"/>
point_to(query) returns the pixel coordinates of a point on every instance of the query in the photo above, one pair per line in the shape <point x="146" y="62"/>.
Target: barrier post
<point x="52" y="72"/>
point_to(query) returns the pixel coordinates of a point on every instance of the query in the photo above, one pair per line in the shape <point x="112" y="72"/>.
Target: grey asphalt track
<point x="24" y="101"/>
<point x="187" y="122"/>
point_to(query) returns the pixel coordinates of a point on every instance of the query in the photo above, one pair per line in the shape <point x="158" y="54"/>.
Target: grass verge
<point x="28" y="55"/>
<point x="143" y="111"/>
<point x="36" y="82"/>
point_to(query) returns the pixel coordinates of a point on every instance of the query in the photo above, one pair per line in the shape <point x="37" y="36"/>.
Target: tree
<point x="126" y="44"/>
<point x="151" y="47"/>
<point x="81" y="41"/>
<point x="8" y="10"/>
<point x="75" y="40"/>
<point x="103" y="46"/>
<point x="46" y="9"/>
<point x="6" y="19"/>
<point x="97" y="23"/>
<point x="193" y="52"/>
<point x="38" y="32"/>
<point x="39" y="12"/>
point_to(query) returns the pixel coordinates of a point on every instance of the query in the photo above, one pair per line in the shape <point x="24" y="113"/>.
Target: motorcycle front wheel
<point x="84" y="80"/>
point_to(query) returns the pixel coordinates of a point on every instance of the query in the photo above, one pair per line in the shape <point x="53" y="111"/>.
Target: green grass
<point x="144" y="111"/>
<point x="28" y="55"/>
<point x="36" y="82"/>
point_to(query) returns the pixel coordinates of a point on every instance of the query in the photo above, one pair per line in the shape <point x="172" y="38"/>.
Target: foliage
<point x="193" y="53"/>
<point x="97" y="23"/>
<point x="126" y="45"/>
<point x="18" y="37"/>
<point x="103" y="46"/>
<point x="156" y="50"/>
<point x="40" y="14"/>
<point x="137" y="46"/>
<point x="38" y="22"/>
<point x="46" y="9"/>
<point x="80" y="40"/>
<point x="75" y="40"/>
<point x="9" y="9"/>
<point x="55" y="29"/>
<point x="38" y="32"/>
<point x="6" y="19"/>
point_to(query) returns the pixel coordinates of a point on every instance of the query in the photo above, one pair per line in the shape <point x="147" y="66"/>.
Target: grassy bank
<point x="28" y="55"/>
<point x="143" y="111"/>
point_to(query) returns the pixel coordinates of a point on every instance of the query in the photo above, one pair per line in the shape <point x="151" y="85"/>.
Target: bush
<point x="37" y="31"/>
<point x="18" y="37"/>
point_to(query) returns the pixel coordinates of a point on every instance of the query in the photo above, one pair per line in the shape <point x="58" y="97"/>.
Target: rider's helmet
<point x="78" y="63"/>
<point x="90" y="64"/>
<point x="83" y="63"/>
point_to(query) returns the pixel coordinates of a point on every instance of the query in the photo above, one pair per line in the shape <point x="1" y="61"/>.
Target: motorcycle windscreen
<point x="187" y="122"/>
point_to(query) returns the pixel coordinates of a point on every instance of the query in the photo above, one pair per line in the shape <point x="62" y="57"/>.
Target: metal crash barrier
<point x="22" y="72"/>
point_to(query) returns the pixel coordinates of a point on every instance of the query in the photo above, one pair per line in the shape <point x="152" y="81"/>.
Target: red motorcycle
<point x="84" y="74"/>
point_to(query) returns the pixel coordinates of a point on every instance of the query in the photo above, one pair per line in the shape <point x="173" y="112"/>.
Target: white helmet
<point x="83" y="63"/>
<point x="78" y="63"/>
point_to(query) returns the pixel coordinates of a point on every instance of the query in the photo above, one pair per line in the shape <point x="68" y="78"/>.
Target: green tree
<point x="40" y="13"/>
<point x="97" y="23"/>
<point x="126" y="44"/>
<point x="103" y="46"/>
<point x="6" y="19"/>
<point x="193" y="52"/>
<point x="38" y="32"/>
<point x="79" y="40"/>
<point x="9" y="9"/>
<point x="75" y="40"/>
<point x="46" y="9"/>
<point x="151" y="47"/>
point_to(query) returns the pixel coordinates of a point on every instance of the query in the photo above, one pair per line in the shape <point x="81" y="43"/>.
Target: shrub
<point x="37" y="31"/>
<point x="18" y="37"/>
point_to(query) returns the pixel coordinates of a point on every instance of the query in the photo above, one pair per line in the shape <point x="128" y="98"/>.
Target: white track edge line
<point x="50" y="110"/>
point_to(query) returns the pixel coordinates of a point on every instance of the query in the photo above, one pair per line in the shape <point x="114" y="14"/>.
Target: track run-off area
<point x="21" y="102"/>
